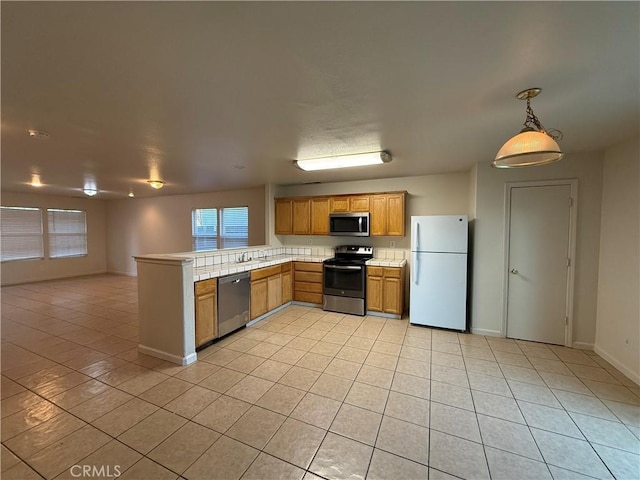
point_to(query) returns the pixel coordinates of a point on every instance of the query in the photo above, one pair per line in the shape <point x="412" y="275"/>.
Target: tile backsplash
<point x="218" y="257"/>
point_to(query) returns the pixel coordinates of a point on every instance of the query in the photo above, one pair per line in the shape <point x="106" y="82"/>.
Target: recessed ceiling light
<point x="37" y="134"/>
<point x="90" y="191"/>
<point x="157" y="184"/>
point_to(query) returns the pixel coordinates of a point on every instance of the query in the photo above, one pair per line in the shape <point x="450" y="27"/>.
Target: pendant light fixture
<point x="534" y="145"/>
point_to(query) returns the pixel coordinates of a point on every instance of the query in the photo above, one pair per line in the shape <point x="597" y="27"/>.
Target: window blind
<point x="204" y="228"/>
<point x="234" y="227"/>
<point x="21" y="233"/>
<point x="67" y="233"/>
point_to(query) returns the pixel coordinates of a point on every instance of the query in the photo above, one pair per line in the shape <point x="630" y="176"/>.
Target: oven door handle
<point x="341" y="267"/>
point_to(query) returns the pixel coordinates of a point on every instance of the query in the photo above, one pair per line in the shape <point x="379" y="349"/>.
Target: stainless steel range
<point x="345" y="279"/>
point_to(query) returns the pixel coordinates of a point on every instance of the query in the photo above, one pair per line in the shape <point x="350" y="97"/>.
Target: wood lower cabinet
<point x="307" y="282"/>
<point x="287" y="283"/>
<point x="385" y="290"/>
<point x="259" y="295"/>
<point x="270" y="288"/>
<point x="206" y="307"/>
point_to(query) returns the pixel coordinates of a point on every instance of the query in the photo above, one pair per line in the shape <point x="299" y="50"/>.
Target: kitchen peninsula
<point x="167" y="297"/>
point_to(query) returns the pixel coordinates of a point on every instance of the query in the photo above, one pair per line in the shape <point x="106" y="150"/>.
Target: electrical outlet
<point x="310" y="242"/>
<point x="392" y="244"/>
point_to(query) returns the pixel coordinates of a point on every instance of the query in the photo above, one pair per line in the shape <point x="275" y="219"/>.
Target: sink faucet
<point x="243" y="257"/>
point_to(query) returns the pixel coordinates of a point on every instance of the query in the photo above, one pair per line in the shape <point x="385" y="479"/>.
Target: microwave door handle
<point x="360" y="224"/>
<point x="343" y="267"/>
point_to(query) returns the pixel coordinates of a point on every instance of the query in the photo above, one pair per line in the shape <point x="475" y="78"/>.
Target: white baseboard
<point x="126" y="274"/>
<point x="631" y="375"/>
<point x="488" y="333"/>
<point x="169" y="357"/>
<point x="583" y="345"/>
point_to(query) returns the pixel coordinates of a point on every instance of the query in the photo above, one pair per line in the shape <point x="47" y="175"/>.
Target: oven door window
<point x="344" y="280"/>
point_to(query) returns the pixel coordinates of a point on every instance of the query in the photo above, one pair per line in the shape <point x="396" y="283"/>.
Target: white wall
<point x="140" y="226"/>
<point x="618" y="313"/>
<point x="488" y="243"/>
<point x="446" y="194"/>
<point x="95" y="261"/>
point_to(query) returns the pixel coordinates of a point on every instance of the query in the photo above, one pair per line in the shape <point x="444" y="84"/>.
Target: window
<point x="21" y="233"/>
<point x="218" y="228"/>
<point x="67" y="233"/>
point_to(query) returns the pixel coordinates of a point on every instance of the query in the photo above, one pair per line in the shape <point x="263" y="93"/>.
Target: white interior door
<point x="539" y="249"/>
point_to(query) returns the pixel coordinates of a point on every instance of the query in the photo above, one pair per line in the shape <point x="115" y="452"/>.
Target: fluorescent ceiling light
<point x="344" y="161"/>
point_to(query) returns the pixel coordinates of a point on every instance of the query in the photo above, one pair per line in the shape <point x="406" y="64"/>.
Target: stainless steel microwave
<point x="349" y="224"/>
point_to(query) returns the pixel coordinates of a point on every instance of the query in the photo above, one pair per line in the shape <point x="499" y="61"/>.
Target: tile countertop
<point x="212" y="271"/>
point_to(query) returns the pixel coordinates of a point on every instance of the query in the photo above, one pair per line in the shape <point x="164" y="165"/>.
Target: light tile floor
<point x="302" y="394"/>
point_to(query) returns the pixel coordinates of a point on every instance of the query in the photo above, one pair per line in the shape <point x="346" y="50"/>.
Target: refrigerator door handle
<point x="415" y="270"/>
<point x="417" y="237"/>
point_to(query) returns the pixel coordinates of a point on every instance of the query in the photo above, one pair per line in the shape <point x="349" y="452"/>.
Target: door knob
<point x="514" y="271"/>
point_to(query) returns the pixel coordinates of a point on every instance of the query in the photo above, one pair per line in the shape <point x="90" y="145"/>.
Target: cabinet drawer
<point x="265" y="272"/>
<point x="391" y="272"/>
<point x="206" y="286"/>
<point x="308" y="287"/>
<point x="312" y="277"/>
<point x="308" y="297"/>
<point x="308" y="266"/>
<point x="374" y="271"/>
<point x="286" y="267"/>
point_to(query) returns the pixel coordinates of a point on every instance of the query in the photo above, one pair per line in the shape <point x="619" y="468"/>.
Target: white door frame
<point x="573" y="216"/>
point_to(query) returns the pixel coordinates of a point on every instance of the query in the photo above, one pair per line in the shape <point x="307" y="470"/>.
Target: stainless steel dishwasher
<point x="233" y="302"/>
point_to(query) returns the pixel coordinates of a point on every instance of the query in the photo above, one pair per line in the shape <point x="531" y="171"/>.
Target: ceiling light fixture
<point x="38" y="135"/>
<point x="534" y="145"/>
<point x="131" y="195"/>
<point x="35" y="180"/>
<point x="157" y="184"/>
<point x="344" y="161"/>
<point x="90" y="191"/>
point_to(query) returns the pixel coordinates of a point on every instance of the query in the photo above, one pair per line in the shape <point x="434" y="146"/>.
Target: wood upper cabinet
<point x="349" y="203"/>
<point x="320" y="216"/>
<point x="388" y="214"/>
<point x="385" y="290"/>
<point x="206" y="306"/>
<point x="284" y="216"/>
<point x="310" y="215"/>
<point x="359" y="203"/>
<point x="301" y="216"/>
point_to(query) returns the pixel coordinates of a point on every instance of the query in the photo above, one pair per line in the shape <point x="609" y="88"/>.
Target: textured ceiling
<point x="221" y="95"/>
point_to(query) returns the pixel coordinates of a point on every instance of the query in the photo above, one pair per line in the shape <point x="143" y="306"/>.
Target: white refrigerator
<point x="438" y="293"/>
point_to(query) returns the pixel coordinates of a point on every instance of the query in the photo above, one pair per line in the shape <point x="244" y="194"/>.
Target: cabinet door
<point x="359" y="203"/>
<point x="374" y="293"/>
<point x="205" y="306"/>
<point x="258" y="298"/>
<point x="274" y="292"/>
<point x="284" y="216"/>
<point x="378" y="215"/>
<point x="287" y="287"/>
<point x="301" y="216"/>
<point x="392" y="296"/>
<point x="395" y="215"/>
<point x="339" y="204"/>
<point x="320" y="216"/>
